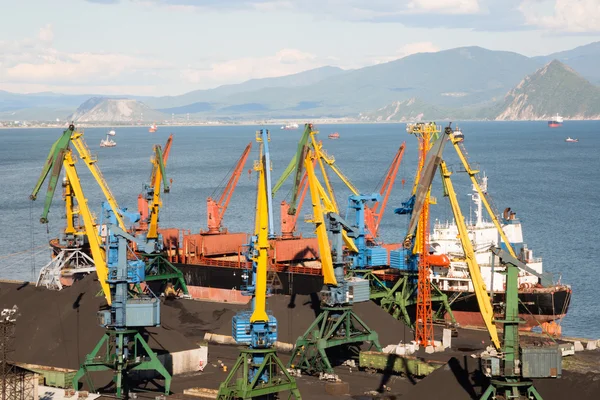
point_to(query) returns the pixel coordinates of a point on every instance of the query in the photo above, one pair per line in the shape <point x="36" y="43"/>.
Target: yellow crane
<point x="89" y="224"/>
<point x="53" y="166"/>
<point x="258" y="371"/>
<point x="125" y="347"/>
<point x="456" y="142"/>
<point x="483" y="299"/>
<point x="337" y="324"/>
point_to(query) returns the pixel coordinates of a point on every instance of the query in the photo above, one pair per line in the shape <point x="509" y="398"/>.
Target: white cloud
<point x="568" y="15"/>
<point x="284" y="62"/>
<point x="445" y="6"/>
<point x="46" y="34"/>
<point x="352" y="9"/>
<point x="32" y="63"/>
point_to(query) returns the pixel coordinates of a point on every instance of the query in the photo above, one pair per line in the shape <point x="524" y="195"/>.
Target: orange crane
<point x="426" y="133"/>
<point x="374" y="213"/>
<point x="216" y="209"/>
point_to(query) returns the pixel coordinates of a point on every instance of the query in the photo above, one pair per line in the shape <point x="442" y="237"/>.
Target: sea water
<point x="553" y="186"/>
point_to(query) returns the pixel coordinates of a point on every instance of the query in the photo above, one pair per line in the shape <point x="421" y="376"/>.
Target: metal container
<point x="541" y="362"/>
<point x="398" y="259"/>
<point x="55" y="377"/>
<point x="377" y="256"/>
<point x="389" y="247"/>
<point x="358" y="290"/>
<point x="295" y="249"/>
<point x="240" y="327"/>
<point x="226" y="243"/>
<point x="142" y="312"/>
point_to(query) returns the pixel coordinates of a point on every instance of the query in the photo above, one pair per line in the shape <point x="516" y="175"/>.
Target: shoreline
<point x="277" y="123"/>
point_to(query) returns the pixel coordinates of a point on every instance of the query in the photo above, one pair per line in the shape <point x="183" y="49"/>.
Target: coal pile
<point x="59" y="328"/>
<point x="294" y="315"/>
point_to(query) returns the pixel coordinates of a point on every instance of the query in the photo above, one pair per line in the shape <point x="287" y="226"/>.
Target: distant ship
<point x="570" y="139"/>
<point x="334" y="135"/>
<point x="108" y="142"/>
<point x="290" y="126"/>
<point x="556" y="121"/>
<point x="458" y="134"/>
<point x="152" y="128"/>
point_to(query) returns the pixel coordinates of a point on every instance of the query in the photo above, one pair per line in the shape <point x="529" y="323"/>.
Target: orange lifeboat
<point x="438" y="260"/>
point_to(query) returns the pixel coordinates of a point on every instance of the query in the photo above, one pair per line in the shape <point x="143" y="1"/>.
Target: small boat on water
<point x="108" y="142"/>
<point x="289" y="127"/>
<point x="458" y="134"/>
<point x="571" y="140"/>
<point x="112" y="132"/>
<point x="152" y="128"/>
<point x="334" y="135"/>
<point x="555" y="121"/>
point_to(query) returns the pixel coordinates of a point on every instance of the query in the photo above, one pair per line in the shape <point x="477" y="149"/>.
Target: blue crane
<point x="258" y="371"/>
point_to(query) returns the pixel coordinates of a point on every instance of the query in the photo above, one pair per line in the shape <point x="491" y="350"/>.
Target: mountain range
<point x="552" y="88"/>
<point x="466" y="82"/>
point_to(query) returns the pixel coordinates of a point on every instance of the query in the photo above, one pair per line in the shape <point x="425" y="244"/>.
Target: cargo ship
<point x="334" y="135"/>
<point x="152" y="128"/>
<point x="540" y="304"/>
<point x="219" y="263"/>
<point x="555" y="121"/>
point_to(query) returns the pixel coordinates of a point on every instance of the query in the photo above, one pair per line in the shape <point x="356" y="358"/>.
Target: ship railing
<point x="279" y="267"/>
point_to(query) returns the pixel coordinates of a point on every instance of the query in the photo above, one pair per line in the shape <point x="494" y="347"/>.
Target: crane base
<point x="104" y="357"/>
<point x="511" y="389"/>
<point x="396" y="300"/>
<point x="334" y="327"/>
<point x="258" y="373"/>
<point x="158" y="268"/>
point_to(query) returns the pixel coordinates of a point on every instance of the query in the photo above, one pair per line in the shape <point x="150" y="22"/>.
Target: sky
<point x="169" y="47"/>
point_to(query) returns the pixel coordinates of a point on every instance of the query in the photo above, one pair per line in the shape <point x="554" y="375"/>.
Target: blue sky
<point x="168" y="47"/>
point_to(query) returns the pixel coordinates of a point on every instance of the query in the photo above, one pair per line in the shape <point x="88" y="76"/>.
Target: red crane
<point x="288" y="222"/>
<point x="374" y="213"/>
<point x="216" y="209"/>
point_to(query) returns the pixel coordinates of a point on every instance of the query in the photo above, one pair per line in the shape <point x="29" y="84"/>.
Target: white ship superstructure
<point x="483" y="234"/>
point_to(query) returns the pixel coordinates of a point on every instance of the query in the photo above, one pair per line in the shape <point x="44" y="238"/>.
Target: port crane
<point x="414" y="260"/>
<point x="258" y="371"/>
<point x="511" y="366"/>
<point x="337" y="324"/>
<point x="457" y="143"/>
<point x="308" y="142"/>
<point x="149" y="201"/>
<point x="158" y="268"/>
<point x="374" y="213"/>
<point x="129" y="311"/>
<point x="71" y="257"/>
<point x="215" y="210"/>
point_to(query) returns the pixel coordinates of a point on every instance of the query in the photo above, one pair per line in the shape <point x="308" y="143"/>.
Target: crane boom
<point x="472" y="174"/>
<point x="216" y="209"/>
<point x="423" y="186"/>
<point x="483" y="299"/>
<point x="91" y="162"/>
<point x="89" y="224"/>
<point x="53" y="166"/>
<point x="259" y="313"/>
<point x="374" y="214"/>
<point x="158" y="172"/>
<point x="295" y="165"/>
<point x="316" y="194"/>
